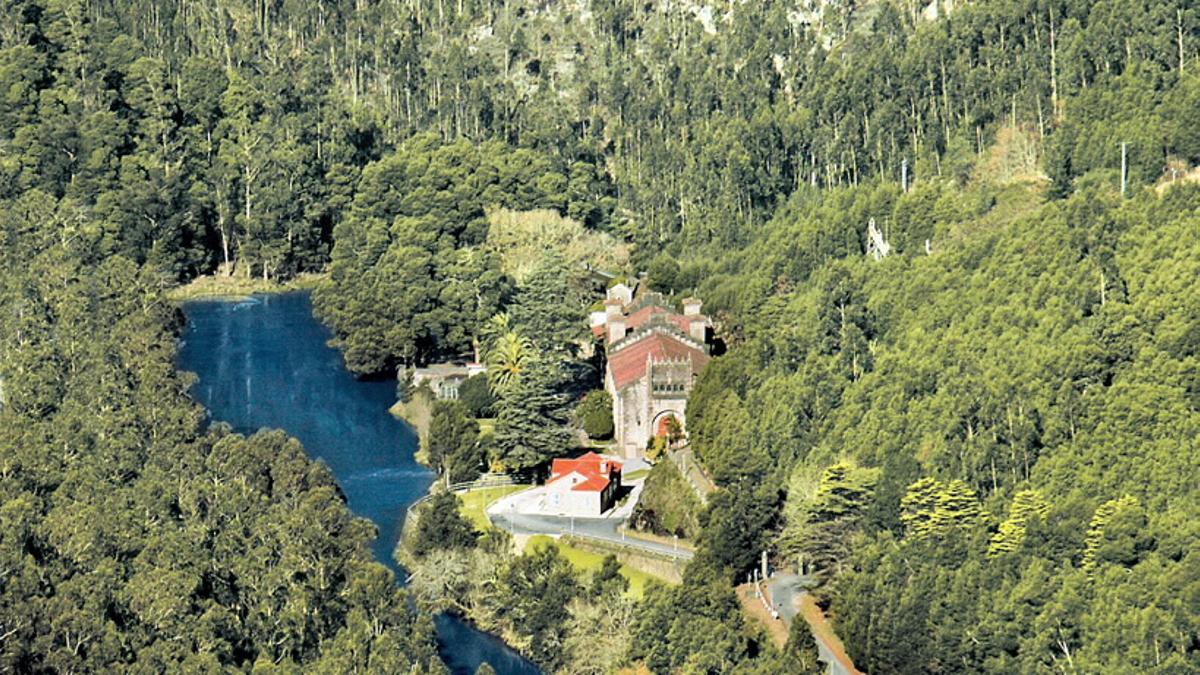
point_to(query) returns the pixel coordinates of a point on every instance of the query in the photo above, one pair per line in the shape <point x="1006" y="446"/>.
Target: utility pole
<point x="1124" y="168"/>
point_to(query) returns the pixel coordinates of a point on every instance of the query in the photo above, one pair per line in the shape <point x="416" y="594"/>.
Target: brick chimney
<point x="691" y="307"/>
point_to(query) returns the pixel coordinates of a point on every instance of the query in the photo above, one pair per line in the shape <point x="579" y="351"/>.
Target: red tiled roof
<point x="637" y="319"/>
<point x="568" y="464"/>
<point x="629" y="364"/>
<point x="592" y="484"/>
<point x="587" y="466"/>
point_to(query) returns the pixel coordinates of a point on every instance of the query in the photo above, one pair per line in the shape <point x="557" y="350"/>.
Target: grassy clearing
<point x="636" y="475"/>
<point x="475" y="501"/>
<point x="589" y="562"/>
<point x="237" y="287"/>
<point x="659" y="539"/>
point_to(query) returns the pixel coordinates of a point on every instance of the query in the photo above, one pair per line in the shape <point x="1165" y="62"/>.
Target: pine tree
<point x="1115" y="535"/>
<point x="454" y="442"/>
<point x="531" y="424"/>
<point x="548" y="308"/>
<point x="932" y="508"/>
<point x="918" y="507"/>
<point x="829" y="520"/>
<point x="440" y="525"/>
<point x="1026" y="505"/>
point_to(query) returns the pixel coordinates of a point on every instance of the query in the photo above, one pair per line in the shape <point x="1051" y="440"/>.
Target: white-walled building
<point x="585" y="486"/>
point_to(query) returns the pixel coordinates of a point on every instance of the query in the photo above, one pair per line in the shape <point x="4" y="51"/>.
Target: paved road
<point x="507" y="514"/>
<point x="785" y="591"/>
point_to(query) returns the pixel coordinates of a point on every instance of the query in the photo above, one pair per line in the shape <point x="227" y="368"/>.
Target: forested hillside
<point x="984" y="444"/>
<point x="989" y="451"/>
<point x="202" y="133"/>
<point x="133" y="540"/>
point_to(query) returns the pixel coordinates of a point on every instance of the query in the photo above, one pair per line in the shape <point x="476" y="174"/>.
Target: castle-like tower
<point x="654" y="356"/>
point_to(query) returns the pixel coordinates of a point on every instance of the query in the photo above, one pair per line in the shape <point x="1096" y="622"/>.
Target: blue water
<point x="264" y="362"/>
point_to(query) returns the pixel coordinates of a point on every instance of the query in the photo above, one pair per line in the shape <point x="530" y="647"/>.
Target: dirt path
<point x="823" y="632"/>
<point x="753" y="607"/>
<point x="788" y="593"/>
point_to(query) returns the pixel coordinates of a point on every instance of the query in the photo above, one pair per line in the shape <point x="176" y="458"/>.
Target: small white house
<point x="585" y="486"/>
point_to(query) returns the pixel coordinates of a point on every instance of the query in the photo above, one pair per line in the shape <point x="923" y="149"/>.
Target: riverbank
<point x="417" y="412"/>
<point x="269" y="364"/>
<point x="238" y="287"/>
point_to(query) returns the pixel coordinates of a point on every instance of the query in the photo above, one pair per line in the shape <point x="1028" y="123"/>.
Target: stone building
<point x="444" y="379"/>
<point x="654" y="355"/>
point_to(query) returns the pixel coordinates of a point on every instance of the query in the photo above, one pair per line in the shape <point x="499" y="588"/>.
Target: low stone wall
<point x="661" y="567"/>
<point x="684" y="459"/>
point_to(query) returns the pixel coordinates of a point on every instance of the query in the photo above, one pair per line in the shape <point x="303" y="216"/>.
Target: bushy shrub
<point x="595" y="414"/>
<point x="440" y="525"/>
<point x="477" y="395"/>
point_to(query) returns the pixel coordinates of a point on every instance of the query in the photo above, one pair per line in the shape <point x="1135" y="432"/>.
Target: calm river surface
<point x="264" y="363"/>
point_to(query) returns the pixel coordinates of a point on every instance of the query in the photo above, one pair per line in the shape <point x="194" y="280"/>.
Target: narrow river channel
<point x="264" y="362"/>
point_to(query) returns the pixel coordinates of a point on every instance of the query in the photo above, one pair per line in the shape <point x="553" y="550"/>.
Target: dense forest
<point x="133" y="539"/>
<point x="984" y="444"/>
<point x="989" y="451"/>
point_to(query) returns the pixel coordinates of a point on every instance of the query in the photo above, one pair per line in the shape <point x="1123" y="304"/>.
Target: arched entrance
<point x="664" y="422"/>
<point x="664" y="426"/>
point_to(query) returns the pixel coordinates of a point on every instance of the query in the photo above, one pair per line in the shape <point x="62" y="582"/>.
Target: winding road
<point x="513" y="514"/>
<point x="788" y="593"/>
<point x="521" y="513"/>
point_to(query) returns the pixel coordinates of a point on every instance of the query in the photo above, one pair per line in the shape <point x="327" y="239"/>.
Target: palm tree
<point x="491" y="332"/>
<point x="509" y="357"/>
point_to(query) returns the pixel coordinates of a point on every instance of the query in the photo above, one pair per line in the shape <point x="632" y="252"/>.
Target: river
<point x="264" y="362"/>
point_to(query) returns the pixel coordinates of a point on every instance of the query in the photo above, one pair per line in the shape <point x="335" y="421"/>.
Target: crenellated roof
<point x="655" y="333"/>
<point x="630" y="363"/>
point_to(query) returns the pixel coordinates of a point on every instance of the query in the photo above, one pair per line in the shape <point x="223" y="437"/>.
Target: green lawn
<point x="636" y="475"/>
<point x="475" y="501"/>
<point x="587" y="561"/>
